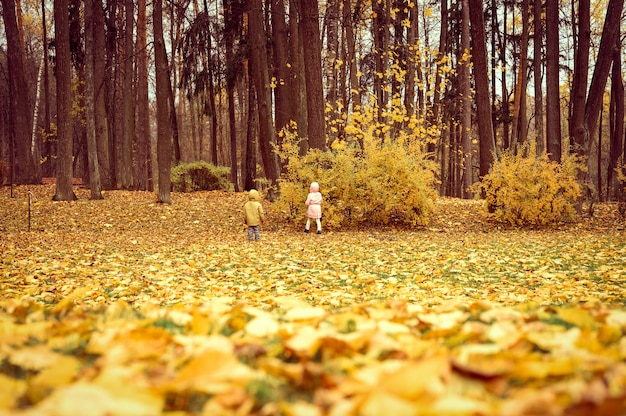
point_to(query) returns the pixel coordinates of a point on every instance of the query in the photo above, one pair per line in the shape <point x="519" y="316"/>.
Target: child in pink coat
<point x="314" y="204"/>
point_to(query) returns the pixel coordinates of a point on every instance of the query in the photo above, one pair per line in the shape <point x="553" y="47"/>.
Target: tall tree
<point x="553" y="103"/>
<point x="110" y="80"/>
<point x="606" y="51"/>
<point x="411" y="57"/>
<point x="47" y="144"/>
<point x="505" y="113"/>
<point x="143" y="172"/>
<point x="63" y="72"/>
<point x="296" y="73"/>
<point x="211" y="92"/>
<point x="332" y="55"/>
<point x="128" y="131"/>
<point x="100" y="112"/>
<point x="164" y="140"/>
<point x="614" y="190"/>
<point x="380" y="36"/>
<point x="537" y="66"/>
<point x="232" y="17"/>
<point x="578" y="97"/>
<point x="313" y="74"/>
<point x="487" y="143"/>
<point x="90" y="121"/>
<point x="519" y="103"/>
<point x="252" y="132"/>
<point x="260" y="78"/>
<point x="355" y="90"/>
<point x="19" y="111"/>
<point x="280" y="47"/>
<point x="465" y="99"/>
<point x="436" y="103"/>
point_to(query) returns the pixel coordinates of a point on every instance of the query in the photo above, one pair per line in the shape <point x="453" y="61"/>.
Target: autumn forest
<point x="471" y="255"/>
<point x="116" y="93"/>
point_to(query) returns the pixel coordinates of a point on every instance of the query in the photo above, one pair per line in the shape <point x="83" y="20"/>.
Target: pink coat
<point x="314" y="202"/>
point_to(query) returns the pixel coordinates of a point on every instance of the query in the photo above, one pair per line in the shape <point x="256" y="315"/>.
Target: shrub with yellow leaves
<point x="526" y="189"/>
<point x="392" y="182"/>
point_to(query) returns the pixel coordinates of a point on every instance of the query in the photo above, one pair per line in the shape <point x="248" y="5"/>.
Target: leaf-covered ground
<point x="129" y="307"/>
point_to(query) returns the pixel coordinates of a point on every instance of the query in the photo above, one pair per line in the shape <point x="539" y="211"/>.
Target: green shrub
<point x="526" y="189"/>
<point x="383" y="183"/>
<point x="200" y="176"/>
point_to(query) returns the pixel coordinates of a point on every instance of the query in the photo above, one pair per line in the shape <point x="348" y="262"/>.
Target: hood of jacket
<point x="253" y="195"/>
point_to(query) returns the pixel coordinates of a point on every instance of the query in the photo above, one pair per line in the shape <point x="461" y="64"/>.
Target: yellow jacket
<point x="253" y="210"/>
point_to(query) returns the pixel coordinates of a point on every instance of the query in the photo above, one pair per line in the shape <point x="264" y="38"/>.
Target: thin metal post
<point x="29" y="203"/>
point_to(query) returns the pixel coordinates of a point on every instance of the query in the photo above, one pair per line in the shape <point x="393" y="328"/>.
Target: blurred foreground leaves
<point x="128" y="307"/>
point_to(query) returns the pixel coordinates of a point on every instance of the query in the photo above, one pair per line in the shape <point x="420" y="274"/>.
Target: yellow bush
<point x="388" y="183"/>
<point x="526" y="189"/>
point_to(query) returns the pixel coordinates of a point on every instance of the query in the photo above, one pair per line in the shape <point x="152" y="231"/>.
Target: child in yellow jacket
<point x="254" y="215"/>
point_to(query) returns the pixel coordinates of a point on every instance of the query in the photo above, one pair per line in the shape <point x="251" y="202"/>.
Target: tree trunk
<point x="355" y="89"/>
<point x="613" y="188"/>
<point x="164" y="141"/>
<point x="229" y="28"/>
<point x="313" y="74"/>
<point x="64" y="190"/>
<point x="332" y="53"/>
<point x="553" y="103"/>
<point x="128" y="131"/>
<point x="380" y="37"/>
<point x="411" y="48"/>
<point x="47" y="143"/>
<point x="173" y="118"/>
<point x="100" y="113"/>
<point x="110" y="81"/>
<point x="519" y="104"/>
<point x="606" y="51"/>
<point x="578" y="96"/>
<point x="466" y="100"/>
<point x="211" y="101"/>
<point x="260" y="78"/>
<point x="251" y="134"/>
<point x="19" y="111"/>
<point x="537" y="65"/>
<point x="487" y="143"/>
<point x="505" y="111"/>
<point x="282" y="90"/>
<point x="296" y="73"/>
<point x="437" y="93"/>
<point x="92" y="150"/>
<point x="143" y="161"/>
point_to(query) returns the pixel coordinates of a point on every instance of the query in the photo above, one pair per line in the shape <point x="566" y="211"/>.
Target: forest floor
<point x="127" y="306"/>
